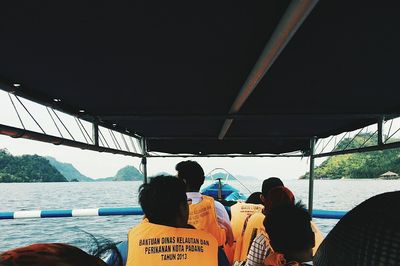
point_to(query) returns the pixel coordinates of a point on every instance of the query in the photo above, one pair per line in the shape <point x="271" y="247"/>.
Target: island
<point x="372" y="165"/>
<point x="27" y="169"/>
<point x="35" y="168"/>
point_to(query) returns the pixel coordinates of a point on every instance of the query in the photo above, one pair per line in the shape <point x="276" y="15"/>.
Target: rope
<point x="15" y="108"/>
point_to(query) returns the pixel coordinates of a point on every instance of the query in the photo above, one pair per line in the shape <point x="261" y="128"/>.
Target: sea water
<point x="328" y="194"/>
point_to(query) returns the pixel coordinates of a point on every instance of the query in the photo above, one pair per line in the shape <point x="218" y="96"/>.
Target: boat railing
<point x="136" y="210"/>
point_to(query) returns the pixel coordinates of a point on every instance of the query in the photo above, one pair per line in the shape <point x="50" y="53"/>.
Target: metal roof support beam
<point x="151" y="117"/>
<point x="95" y="134"/>
<point x="294" y="16"/>
<point x="228" y="156"/>
<point x="27" y="134"/>
<point x="144" y="159"/>
<point x="392" y="145"/>
<point x="270" y="137"/>
<point x="380" y="130"/>
<point x="311" y="178"/>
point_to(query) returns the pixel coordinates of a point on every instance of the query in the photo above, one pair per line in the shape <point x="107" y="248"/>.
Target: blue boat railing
<point x="322" y="214"/>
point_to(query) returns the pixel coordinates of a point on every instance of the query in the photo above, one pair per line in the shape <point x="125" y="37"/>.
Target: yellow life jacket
<point x="240" y="213"/>
<point x="253" y="228"/>
<point x="318" y="237"/>
<point x="278" y="259"/>
<point x="153" y="244"/>
<point x="202" y="216"/>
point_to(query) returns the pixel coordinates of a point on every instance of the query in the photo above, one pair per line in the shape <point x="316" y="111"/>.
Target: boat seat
<point x="368" y="235"/>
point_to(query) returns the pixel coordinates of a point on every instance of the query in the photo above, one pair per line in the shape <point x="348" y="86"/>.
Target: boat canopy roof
<point x="208" y="77"/>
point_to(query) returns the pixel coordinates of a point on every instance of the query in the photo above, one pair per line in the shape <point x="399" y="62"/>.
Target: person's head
<point x="290" y="233"/>
<point x="269" y="184"/>
<point x="254" y="198"/>
<point x="48" y="255"/>
<point x="164" y="201"/>
<point x="278" y="196"/>
<point x="192" y="174"/>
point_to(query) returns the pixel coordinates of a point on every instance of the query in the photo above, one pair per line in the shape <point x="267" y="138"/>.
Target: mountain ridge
<point x="27" y="169"/>
<point x="35" y="168"/>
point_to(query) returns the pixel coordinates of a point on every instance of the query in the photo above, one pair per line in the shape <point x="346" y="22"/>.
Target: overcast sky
<point x="96" y="164"/>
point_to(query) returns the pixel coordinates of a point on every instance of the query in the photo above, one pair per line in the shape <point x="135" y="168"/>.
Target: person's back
<point x="254" y="227"/>
<point x="240" y="215"/>
<point x="290" y="234"/>
<point x="202" y="216"/>
<point x="159" y="244"/>
<point x="255" y="240"/>
<point x="204" y="212"/>
<point x="164" y="237"/>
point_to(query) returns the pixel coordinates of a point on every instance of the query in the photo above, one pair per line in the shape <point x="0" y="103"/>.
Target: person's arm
<point x="221" y="212"/>
<point x="224" y="222"/>
<point x="258" y="251"/>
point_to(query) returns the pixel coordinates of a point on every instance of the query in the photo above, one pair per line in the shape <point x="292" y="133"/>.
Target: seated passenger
<point x="240" y="213"/>
<point x="254" y="198"/>
<point x="259" y="249"/>
<point x="254" y="223"/>
<point x="49" y="255"/>
<point x="204" y="212"/>
<point x="290" y="236"/>
<point x="165" y="238"/>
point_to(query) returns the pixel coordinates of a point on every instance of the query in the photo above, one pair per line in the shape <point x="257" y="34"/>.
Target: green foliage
<point x="27" y="168"/>
<point x="358" y="165"/>
<point x="128" y="173"/>
<point x="34" y="168"/>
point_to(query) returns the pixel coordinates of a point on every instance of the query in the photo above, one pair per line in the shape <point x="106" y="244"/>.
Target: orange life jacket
<point x="202" y="216"/>
<point x="154" y="244"/>
<point x="253" y="228"/>
<point x="318" y="237"/>
<point x="241" y="213"/>
<point x="278" y="259"/>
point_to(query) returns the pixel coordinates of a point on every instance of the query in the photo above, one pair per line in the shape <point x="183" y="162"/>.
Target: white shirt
<point x="219" y="208"/>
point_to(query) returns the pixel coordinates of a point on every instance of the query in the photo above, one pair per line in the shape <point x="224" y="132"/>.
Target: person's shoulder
<point x="219" y="204"/>
<point x="260" y="238"/>
<point x="140" y="226"/>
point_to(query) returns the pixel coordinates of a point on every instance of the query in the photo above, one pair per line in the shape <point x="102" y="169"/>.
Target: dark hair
<point x="192" y="174"/>
<point x="49" y="254"/>
<point x="278" y="196"/>
<point x="289" y="229"/>
<point x="269" y="184"/>
<point x="162" y="198"/>
<point x="254" y="198"/>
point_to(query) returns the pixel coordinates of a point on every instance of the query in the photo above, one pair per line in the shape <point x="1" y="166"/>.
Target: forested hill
<point x="68" y="170"/>
<point x="27" y="168"/>
<point x="128" y="173"/>
<point x="358" y="165"/>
